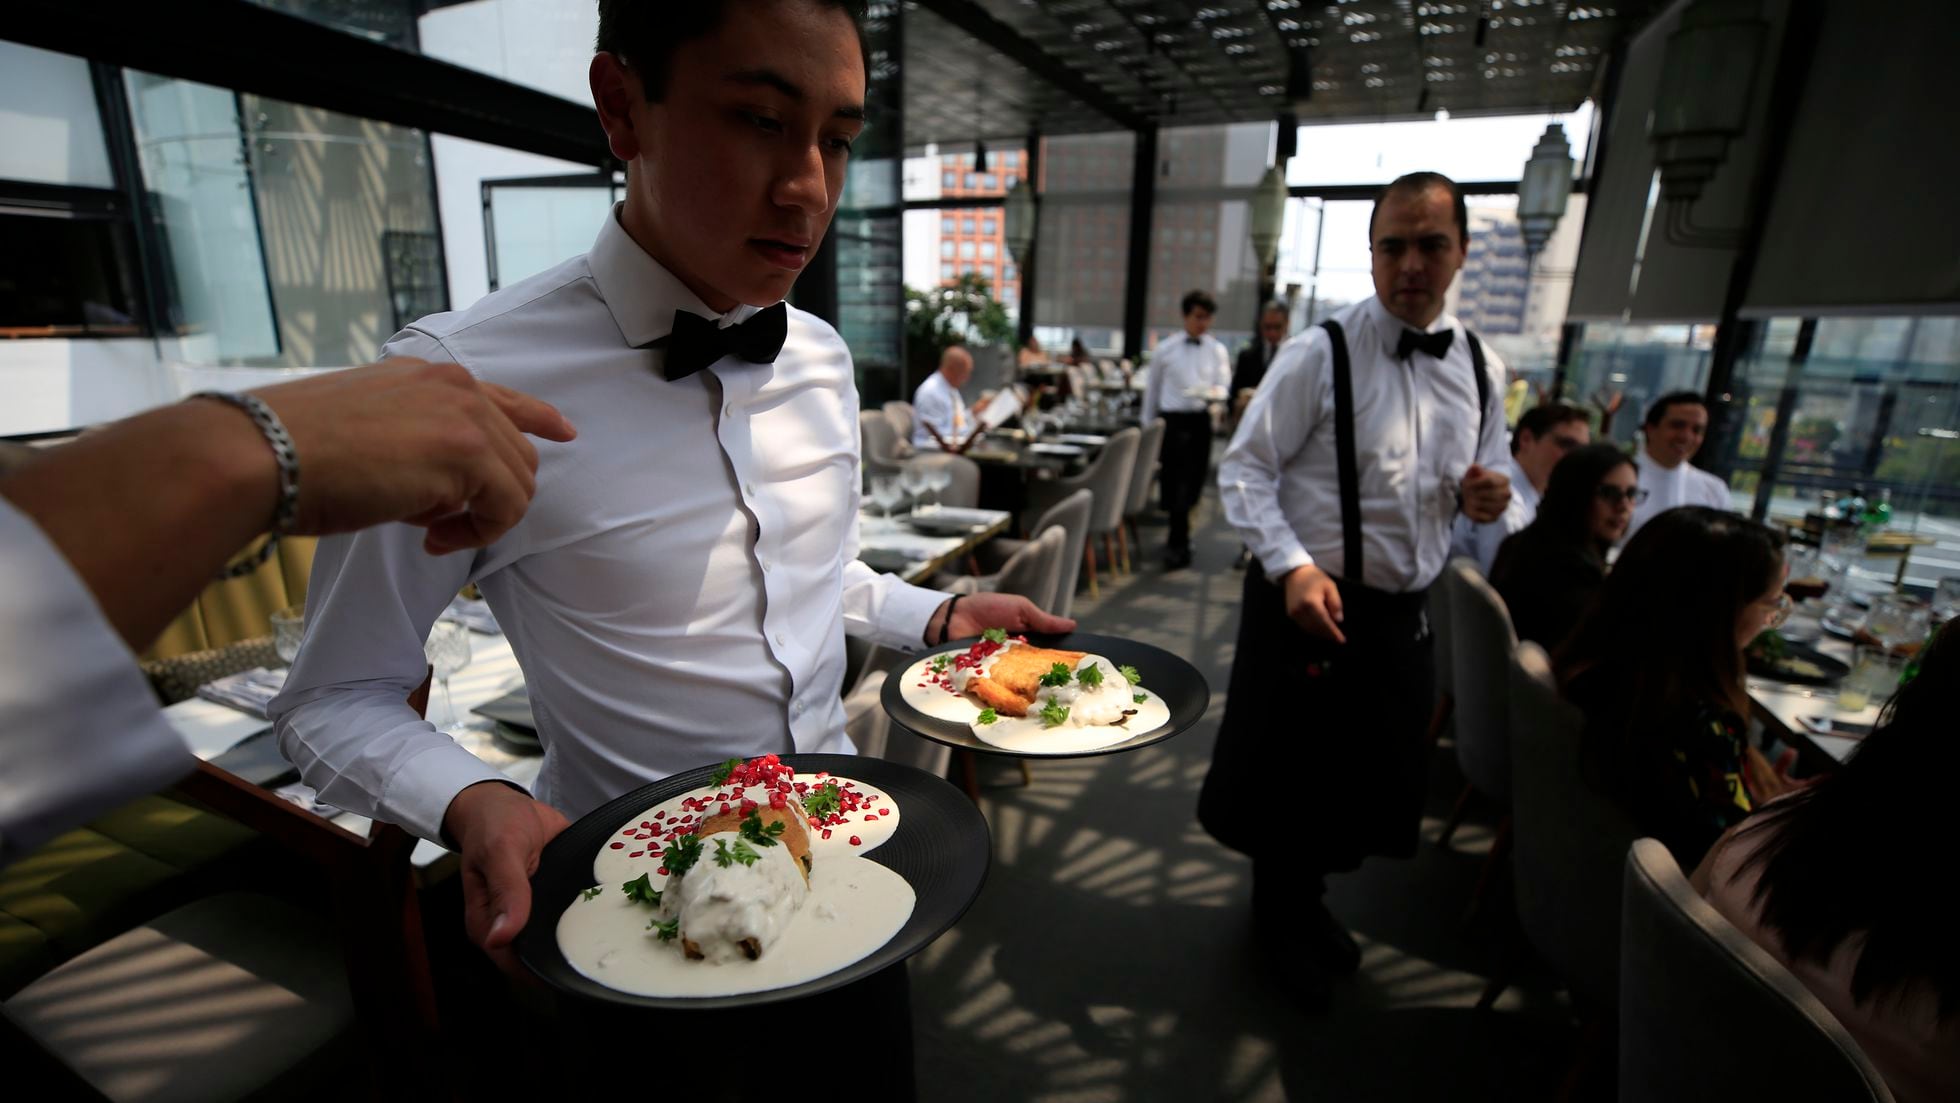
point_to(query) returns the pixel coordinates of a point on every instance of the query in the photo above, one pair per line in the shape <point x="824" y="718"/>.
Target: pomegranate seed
<point x="619" y="846"/>
<point x="885" y="811"/>
<point x="724" y="806"/>
<point x="826" y="832"/>
<point x="637" y="854"/>
<point x="656" y="852"/>
<point x="662" y="871"/>
<point x="749" y="806"/>
<point x="855" y="841"/>
<point x="629" y="831"/>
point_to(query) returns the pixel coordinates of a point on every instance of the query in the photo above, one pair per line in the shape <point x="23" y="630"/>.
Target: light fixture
<point x="1708" y="74"/>
<point x="1545" y="188"/>
<point x="980" y="155"/>
<point x="1017" y="221"/>
<point x="1268" y="216"/>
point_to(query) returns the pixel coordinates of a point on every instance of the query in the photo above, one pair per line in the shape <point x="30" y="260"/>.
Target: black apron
<point x="1320" y="756"/>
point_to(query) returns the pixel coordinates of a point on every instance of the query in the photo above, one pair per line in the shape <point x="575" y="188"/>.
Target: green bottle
<point x="1879" y="513"/>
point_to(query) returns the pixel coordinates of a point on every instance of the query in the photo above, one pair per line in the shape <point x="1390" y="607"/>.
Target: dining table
<point x="1782" y="708"/>
<point x="918" y="545"/>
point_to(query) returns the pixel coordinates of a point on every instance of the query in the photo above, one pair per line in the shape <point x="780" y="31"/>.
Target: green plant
<point x="962" y="312"/>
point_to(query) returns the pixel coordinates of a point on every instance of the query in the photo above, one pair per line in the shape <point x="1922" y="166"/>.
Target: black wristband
<point x="946" y="626"/>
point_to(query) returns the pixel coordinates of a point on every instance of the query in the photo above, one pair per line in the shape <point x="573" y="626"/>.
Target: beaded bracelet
<point x="287" y="459"/>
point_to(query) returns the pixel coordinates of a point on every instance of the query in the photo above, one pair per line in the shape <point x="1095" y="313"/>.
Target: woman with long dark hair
<point x="1656" y="665"/>
<point x="1841" y="882"/>
<point x="1549" y="571"/>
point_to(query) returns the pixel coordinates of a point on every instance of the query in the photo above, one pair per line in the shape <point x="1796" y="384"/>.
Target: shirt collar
<point x="1389" y="328"/>
<point x="639" y="291"/>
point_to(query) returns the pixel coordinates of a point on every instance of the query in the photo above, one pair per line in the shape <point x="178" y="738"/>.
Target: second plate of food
<point x="1046" y="697"/>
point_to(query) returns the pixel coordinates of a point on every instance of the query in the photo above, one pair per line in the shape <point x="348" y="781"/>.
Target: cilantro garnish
<point x="666" y="931"/>
<point x="754" y="831"/>
<point x="1130" y="675"/>
<point x="823" y="801"/>
<point x="726" y="855"/>
<point x="1058" y="675"/>
<point x="1053" y="713"/>
<point x="641" y="891"/>
<point x="940" y="664"/>
<point x="988" y="716"/>
<point x="994" y="635"/>
<point x="681" y="855"/>
<point x="725" y="771"/>
<point x="1136" y="698"/>
<point x="594" y="891"/>
<point x="1090" y="675"/>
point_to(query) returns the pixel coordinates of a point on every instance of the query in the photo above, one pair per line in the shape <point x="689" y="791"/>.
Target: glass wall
<point x="536" y="224"/>
<point x="1200" y="236"/>
<point x="1082" y="247"/>
<point x="865" y="234"/>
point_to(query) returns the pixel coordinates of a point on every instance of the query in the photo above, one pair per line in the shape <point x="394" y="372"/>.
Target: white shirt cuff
<point x="419" y="793"/>
<point x="902" y="621"/>
<point x="1285" y="562"/>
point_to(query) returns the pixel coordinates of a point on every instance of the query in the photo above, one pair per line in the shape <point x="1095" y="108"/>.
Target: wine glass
<point x="288" y="628"/>
<point x="885" y="493"/>
<point x="939" y="478"/>
<point x="448" y="650"/>
<point x="912" y="480"/>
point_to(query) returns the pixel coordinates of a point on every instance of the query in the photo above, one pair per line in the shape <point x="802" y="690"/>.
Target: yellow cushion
<point x="241" y="608"/>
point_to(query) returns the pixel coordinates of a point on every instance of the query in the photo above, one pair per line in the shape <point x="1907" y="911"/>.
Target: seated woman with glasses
<point x="1656" y="666"/>
<point x="1549" y="571"/>
<point x="1828" y="881"/>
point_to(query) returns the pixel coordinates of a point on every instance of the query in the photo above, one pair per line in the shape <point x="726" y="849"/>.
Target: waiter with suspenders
<point x="1368" y="436"/>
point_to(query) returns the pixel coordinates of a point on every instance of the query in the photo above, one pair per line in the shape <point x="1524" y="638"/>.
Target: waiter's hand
<point x="1314" y="602"/>
<point x="1485" y="494"/>
<point x="978" y="612"/>
<point x="501" y="832"/>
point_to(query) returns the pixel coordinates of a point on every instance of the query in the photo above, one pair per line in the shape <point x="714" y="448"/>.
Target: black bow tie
<point x="697" y="342"/>
<point x="1192" y="340"/>
<point x="1436" y="344"/>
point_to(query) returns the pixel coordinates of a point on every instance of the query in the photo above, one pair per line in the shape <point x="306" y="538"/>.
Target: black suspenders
<point x="1347" y="469"/>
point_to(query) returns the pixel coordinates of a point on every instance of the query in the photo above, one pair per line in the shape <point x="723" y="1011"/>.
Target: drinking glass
<point x="1874" y="675"/>
<point x="912" y="479"/>
<point x="1946" y="598"/>
<point x="448" y="650"/>
<point x="288" y="627"/>
<point x="939" y="480"/>
<point x="1896" y="620"/>
<point x="1806" y="577"/>
<point x="885" y="493"/>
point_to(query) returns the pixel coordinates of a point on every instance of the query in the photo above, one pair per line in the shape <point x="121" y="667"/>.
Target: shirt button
<point x="796" y="709"/>
<point x="728" y="410"/>
<point x="780" y="641"/>
<point x="763" y="563"/>
<point x="748" y="489"/>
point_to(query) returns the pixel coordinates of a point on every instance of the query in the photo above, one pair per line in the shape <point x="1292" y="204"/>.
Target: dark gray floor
<point x="1110" y="958"/>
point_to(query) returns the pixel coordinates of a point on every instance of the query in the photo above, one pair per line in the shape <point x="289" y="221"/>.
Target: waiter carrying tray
<point x="1366" y="439"/>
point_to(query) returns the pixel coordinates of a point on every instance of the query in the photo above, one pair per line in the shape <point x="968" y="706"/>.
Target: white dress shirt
<point x="678" y="592"/>
<point x="1667" y="487"/>
<point x="1179" y="367"/>
<point x="1480" y="541"/>
<point x="1415" y="436"/>
<point x="938" y="403"/>
<point x="80" y="732"/>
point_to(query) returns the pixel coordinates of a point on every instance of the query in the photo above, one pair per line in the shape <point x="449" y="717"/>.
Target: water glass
<point x="288" y="627"/>
<point x="885" y="493"/>
<point x="913" y="480"/>
<point x="1896" y="620"/>
<point x="1946" y="598"/>
<point x="1874" y="675"/>
<point x="448" y="651"/>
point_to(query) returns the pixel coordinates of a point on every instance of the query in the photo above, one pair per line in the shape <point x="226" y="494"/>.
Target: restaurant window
<point x="946" y="224"/>
<point x="987" y="226"/>
<point x="987" y="250"/>
<point x="966" y="250"/>
<point x="966" y="225"/>
<point x="972" y="181"/>
<point x="945" y="247"/>
<point x="1082" y="249"/>
<point x="949" y="180"/>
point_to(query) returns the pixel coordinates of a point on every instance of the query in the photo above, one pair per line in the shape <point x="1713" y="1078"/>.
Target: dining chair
<point x="878" y="443"/>
<point x="1108" y="481"/>
<point x="1481" y="656"/>
<point x="870" y="726"/>
<point x="1030" y="572"/>
<point x="1150" y="446"/>
<point x="1071" y="514"/>
<point x="1442" y="627"/>
<point x="1708" y="1016"/>
<point x="279" y="996"/>
<point x="900" y="414"/>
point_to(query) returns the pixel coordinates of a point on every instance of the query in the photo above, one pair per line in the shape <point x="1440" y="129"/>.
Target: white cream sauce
<point x="1091" y="723"/>
<point x="852" y="905"/>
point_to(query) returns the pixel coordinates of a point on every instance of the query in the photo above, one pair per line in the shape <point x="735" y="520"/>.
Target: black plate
<point x="941" y="848"/>
<point x="1166" y="675"/>
<point x="1834" y="671"/>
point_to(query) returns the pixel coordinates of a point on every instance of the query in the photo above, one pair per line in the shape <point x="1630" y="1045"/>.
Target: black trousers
<point x="1186" y="460"/>
<point x="1339" y="727"/>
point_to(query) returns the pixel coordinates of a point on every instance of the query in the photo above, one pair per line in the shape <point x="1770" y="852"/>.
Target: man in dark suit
<point x="1251" y="368"/>
<point x="1253" y="359"/>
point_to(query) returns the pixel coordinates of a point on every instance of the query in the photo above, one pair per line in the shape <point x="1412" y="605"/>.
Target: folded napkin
<point x="248" y="691"/>
<point x="473" y="615"/>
